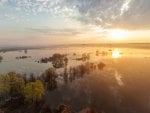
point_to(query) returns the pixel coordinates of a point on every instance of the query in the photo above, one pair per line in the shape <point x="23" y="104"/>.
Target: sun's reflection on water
<point x="116" y="54"/>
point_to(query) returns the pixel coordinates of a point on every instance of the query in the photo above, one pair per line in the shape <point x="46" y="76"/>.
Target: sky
<point x="49" y="22"/>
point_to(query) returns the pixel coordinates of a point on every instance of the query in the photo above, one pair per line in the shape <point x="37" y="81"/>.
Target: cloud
<point x="125" y="7"/>
<point x="128" y="14"/>
<point x="98" y="12"/>
<point x="137" y="17"/>
<point x="56" y="32"/>
<point x="35" y="7"/>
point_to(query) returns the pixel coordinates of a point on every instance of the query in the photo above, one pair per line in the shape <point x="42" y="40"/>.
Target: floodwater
<point x="29" y="65"/>
<point x="121" y="87"/>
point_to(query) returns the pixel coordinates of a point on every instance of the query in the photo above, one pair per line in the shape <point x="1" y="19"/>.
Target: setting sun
<point x="117" y="34"/>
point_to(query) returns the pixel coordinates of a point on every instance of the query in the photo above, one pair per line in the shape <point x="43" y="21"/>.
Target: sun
<point x="117" y="34"/>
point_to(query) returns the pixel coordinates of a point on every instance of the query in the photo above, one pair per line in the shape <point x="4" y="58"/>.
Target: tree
<point x="34" y="91"/>
<point x="49" y="77"/>
<point x="97" y="53"/>
<point x="3" y="85"/>
<point x="101" y="65"/>
<point x="65" y="75"/>
<point x="12" y="85"/>
<point x="32" y="78"/>
<point x="82" y="69"/>
<point x="59" y="60"/>
<point x="16" y="84"/>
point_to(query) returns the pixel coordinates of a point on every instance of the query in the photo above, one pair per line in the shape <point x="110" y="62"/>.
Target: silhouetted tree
<point x="65" y="75"/>
<point x="25" y="78"/>
<point x="101" y="65"/>
<point x="49" y="77"/>
<point x="88" y="56"/>
<point x="82" y="70"/>
<point x="32" y="78"/>
<point x="97" y="53"/>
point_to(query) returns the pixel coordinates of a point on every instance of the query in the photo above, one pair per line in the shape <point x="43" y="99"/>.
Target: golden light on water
<point x="116" y="54"/>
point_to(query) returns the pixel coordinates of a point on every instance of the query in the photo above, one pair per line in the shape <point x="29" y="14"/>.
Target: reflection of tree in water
<point x="94" y="90"/>
<point x="65" y="75"/>
<point x="85" y="57"/>
<point x="103" y="94"/>
<point x="79" y="71"/>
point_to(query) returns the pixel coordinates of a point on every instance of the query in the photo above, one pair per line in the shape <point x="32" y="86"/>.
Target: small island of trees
<point x="58" y="60"/>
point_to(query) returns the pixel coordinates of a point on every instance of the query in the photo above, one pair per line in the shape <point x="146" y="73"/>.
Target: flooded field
<point x="117" y="82"/>
<point x="108" y="55"/>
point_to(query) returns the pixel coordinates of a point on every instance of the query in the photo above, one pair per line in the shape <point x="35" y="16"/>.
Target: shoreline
<point x="116" y="45"/>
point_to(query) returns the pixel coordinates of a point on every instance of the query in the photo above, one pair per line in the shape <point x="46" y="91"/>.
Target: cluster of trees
<point x="32" y="89"/>
<point x="12" y="84"/>
<point x="28" y="92"/>
<point x="58" y="60"/>
<point x="14" y="87"/>
<point x="85" y="57"/>
<point x="23" y="57"/>
<point x="103" y="53"/>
